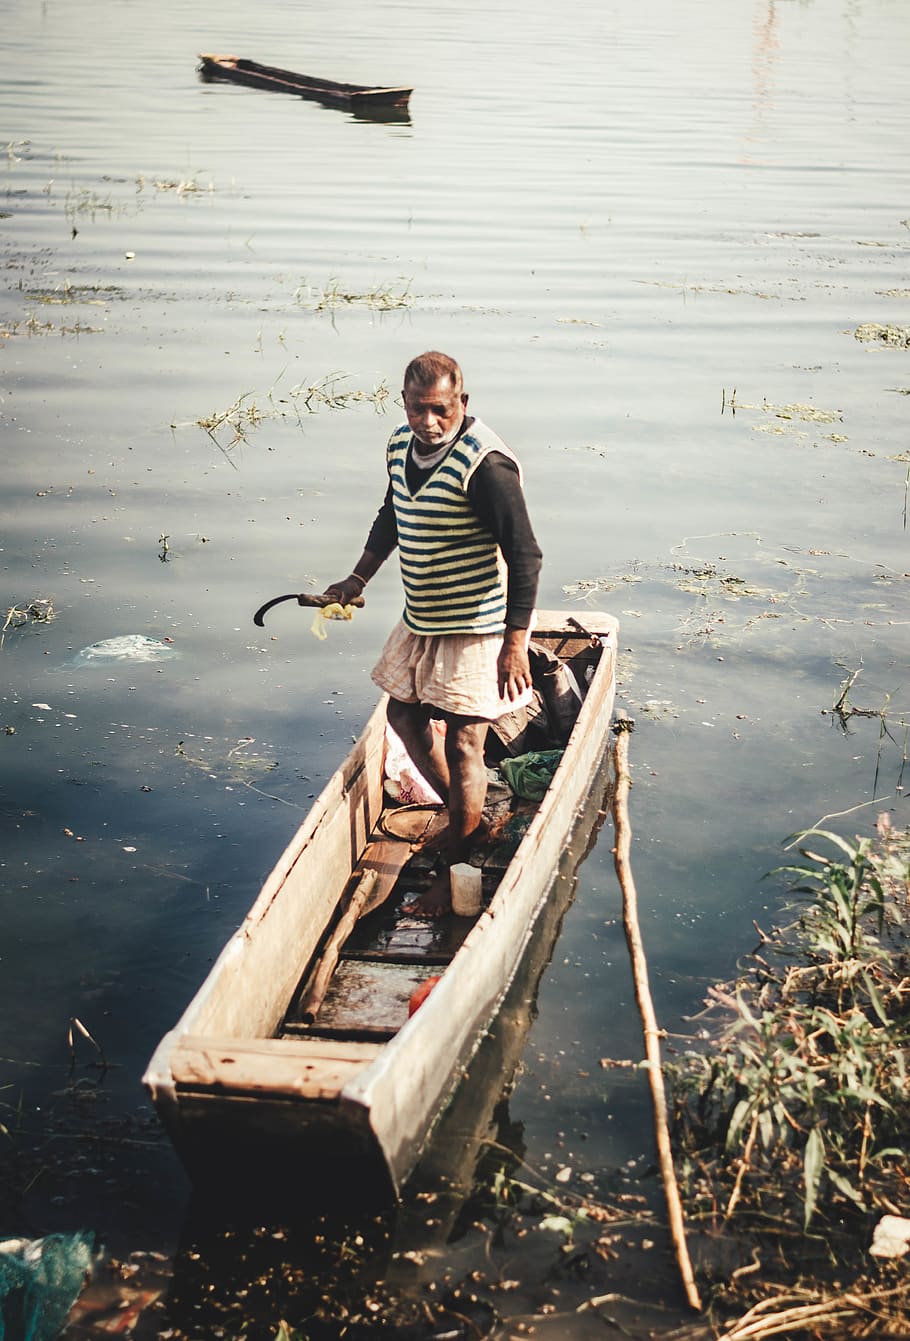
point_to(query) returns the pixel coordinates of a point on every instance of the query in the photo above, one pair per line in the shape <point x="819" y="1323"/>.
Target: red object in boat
<point x="420" y="994"/>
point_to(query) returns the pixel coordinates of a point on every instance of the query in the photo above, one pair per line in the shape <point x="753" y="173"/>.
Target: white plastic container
<point x="465" y="885"/>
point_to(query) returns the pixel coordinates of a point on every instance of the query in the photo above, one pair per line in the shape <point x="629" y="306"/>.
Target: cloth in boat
<point x="529" y="775"/>
<point x="454" y="672"/>
<point x="460" y="523"/>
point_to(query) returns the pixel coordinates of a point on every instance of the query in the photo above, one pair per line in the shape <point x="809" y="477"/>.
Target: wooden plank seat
<point x="317" y="1069"/>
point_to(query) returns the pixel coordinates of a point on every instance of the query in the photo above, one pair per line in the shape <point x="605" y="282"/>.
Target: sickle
<point x="303" y="598"/>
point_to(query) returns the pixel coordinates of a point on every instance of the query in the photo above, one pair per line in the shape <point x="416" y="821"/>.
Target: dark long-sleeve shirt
<point x="496" y="495"/>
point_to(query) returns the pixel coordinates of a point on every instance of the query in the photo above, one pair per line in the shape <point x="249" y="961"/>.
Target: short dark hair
<point x="433" y="367"/>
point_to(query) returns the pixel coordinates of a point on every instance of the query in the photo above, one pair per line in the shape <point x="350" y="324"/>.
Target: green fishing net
<point x="40" y="1280"/>
<point x="529" y="774"/>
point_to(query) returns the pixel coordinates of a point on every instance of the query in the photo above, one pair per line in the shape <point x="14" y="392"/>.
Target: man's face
<point x="434" y="412"/>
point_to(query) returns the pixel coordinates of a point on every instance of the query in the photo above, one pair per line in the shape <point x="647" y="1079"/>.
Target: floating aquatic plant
<point x="227" y="428"/>
<point x="898" y="337"/>
<point x="380" y="298"/>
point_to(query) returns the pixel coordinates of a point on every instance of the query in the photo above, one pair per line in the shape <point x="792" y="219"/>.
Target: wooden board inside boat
<point x="315" y="1070"/>
<point x="366" y="994"/>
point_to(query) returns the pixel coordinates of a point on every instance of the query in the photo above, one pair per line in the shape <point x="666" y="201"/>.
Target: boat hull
<point x="222" y="1081"/>
<point x="238" y="70"/>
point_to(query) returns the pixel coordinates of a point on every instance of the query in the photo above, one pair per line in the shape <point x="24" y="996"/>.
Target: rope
<point x="386" y="826"/>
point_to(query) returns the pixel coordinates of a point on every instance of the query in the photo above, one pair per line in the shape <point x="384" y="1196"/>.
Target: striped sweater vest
<point x="452" y="569"/>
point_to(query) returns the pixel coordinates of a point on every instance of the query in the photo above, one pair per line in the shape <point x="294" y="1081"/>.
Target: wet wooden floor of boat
<point x="390" y="953"/>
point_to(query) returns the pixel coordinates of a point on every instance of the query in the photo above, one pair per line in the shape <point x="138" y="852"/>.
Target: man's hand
<point x="342" y="592"/>
<point x="513" y="665"/>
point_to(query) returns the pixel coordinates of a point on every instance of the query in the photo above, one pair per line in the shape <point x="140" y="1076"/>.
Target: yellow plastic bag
<point x="324" y="612"/>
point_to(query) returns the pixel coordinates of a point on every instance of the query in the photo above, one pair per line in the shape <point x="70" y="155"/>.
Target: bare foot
<point x="433" y="902"/>
<point x="435" y="837"/>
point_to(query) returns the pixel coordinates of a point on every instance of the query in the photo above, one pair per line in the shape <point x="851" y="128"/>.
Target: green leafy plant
<point x="800" y="1111"/>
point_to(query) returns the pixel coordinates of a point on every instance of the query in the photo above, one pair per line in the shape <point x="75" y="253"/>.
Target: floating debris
<point x="128" y="647"/>
<point x="896" y="336"/>
<point x="891" y="1237"/>
<point x="789" y="415"/>
<point x="241" y="418"/>
<point x="380" y="298"/>
<point x="38" y="611"/>
<point x="588" y="586"/>
<point x="808" y="413"/>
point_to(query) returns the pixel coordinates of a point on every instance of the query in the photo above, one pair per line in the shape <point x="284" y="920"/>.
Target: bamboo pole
<point x="623" y="832"/>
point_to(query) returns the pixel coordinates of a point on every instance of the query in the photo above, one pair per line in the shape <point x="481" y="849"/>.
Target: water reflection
<point x="764" y="54"/>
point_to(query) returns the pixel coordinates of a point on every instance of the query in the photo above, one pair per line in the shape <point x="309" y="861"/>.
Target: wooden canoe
<point x="241" y="71"/>
<point x="242" y="1077"/>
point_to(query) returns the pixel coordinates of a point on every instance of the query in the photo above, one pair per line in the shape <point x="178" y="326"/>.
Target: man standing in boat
<point x="455" y="509"/>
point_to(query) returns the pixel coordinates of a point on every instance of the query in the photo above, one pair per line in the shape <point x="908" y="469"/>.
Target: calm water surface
<point x="649" y="233"/>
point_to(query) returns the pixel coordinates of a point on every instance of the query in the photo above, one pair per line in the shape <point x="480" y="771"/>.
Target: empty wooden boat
<point x="238" y="70"/>
<point x="253" y="1075"/>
